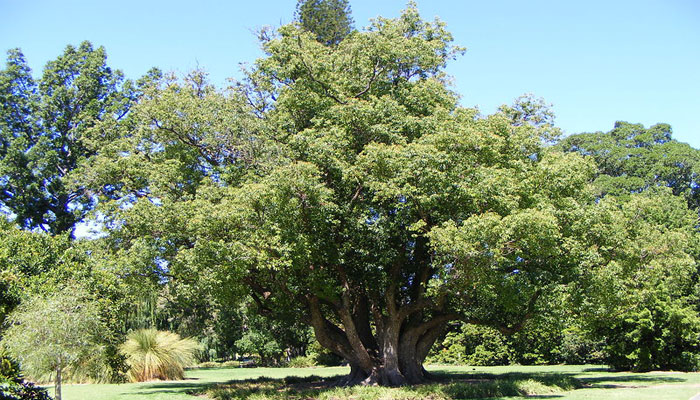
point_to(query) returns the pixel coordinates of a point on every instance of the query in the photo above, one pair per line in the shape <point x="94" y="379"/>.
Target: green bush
<point x="231" y="364"/>
<point x="219" y="364"/>
<point x="473" y="345"/>
<point x="209" y="364"/>
<point x="14" y="387"/>
<point x="660" y="335"/>
<point x="322" y="356"/>
<point x="578" y="348"/>
<point x="302" y="362"/>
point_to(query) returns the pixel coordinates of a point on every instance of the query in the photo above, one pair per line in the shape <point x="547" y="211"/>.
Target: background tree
<point x="631" y="158"/>
<point x="329" y="20"/>
<point x="660" y="329"/>
<point x="273" y="341"/>
<point x="645" y="282"/>
<point x="24" y="258"/>
<point x="36" y="264"/>
<point x="43" y="129"/>
<point x="54" y="333"/>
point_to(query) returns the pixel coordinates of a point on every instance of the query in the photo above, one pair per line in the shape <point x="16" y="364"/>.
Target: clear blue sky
<point x="596" y="61"/>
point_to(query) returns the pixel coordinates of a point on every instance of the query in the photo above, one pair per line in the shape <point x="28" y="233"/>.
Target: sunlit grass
<point x="510" y="382"/>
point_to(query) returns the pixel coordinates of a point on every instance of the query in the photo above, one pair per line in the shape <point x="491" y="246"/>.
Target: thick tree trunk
<point x="384" y="340"/>
<point x="401" y="356"/>
<point x="387" y="372"/>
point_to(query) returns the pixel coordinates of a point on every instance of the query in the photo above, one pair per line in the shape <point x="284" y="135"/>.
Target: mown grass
<point x="512" y="382"/>
<point x="322" y="389"/>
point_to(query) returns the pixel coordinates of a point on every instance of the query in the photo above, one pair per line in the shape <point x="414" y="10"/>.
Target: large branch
<point x="329" y="335"/>
<point x="361" y="317"/>
<point x="344" y="311"/>
<point x="201" y="149"/>
<point x="422" y="259"/>
<point x="419" y="337"/>
<point x="425" y="343"/>
<point x="392" y="290"/>
<point x="375" y="73"/>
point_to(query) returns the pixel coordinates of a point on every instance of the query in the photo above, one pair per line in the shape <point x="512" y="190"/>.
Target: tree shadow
<point x="598" y="369"/>
<point x="628" y="381"/>
<point x="186" y="387"/>
<point x="449" y="384"/>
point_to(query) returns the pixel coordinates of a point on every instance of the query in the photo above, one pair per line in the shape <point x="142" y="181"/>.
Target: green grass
<point x="512" y="382"/>
<point x="196" y="381"/>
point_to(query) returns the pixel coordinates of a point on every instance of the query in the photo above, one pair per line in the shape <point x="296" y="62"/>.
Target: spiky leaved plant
<point x="157" y="355"/>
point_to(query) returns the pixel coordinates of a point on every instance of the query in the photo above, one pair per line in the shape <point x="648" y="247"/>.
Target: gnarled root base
<point x="379" y="376"/>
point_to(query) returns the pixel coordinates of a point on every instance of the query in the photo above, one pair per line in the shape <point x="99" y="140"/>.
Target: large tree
<point x="632" y="158"/>
<point x="43" y="129"/>
<point x="658" y="327"/>
<point x="345" y="186"/>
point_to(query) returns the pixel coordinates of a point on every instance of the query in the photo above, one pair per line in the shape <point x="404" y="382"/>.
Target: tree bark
<point x="57" y="388"/>
<point x="401" y="353"/>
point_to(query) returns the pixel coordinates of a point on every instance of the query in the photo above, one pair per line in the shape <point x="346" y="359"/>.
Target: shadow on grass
<point x="444" y="385"/>
<point x="628" y="381"/>
<point x="598" y="369"/>
<point x="186" y="387"/>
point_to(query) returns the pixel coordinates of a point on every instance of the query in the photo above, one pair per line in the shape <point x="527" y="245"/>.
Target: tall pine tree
<point x="329" y="20"/>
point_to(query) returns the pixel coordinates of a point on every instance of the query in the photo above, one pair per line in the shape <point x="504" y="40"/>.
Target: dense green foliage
<point x="631" y="158"/>
<point x="12" y="383"/>
<point x="43" y="132"/>
<point x="25" y="258"/>
<point x="651" y="320"/>
<point x="336" y="204"/>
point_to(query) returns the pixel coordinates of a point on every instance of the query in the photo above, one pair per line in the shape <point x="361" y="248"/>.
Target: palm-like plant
<point x="157" y="355"/>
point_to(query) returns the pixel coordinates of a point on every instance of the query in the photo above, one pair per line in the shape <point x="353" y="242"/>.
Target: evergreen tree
<point x="329" y="20"/>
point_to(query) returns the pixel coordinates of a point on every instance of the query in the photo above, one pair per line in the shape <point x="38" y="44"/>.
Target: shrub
<point x="13" y="386"/>
<point x="302" y="362"/>
<point x="662" y="334"/>
<point x="231" y="364"/>
<point x="473" y="345"/>
<point x="157" y="355"/>
<point x="209" y="364"/>
<point x="578" y="348"/>
<point x="322" y="356"/>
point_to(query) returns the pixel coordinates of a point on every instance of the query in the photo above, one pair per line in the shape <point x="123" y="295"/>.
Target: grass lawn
<point x="512" y="382"/>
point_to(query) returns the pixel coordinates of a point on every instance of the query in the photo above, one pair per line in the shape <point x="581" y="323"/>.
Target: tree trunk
<point x="57" y="388"/>
<point x="389" y="349"/>
<point x="401" y="356"/>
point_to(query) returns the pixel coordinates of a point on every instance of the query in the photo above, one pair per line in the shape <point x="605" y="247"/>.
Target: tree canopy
<point x="632" y="158"/>
<point x="43" y="129"/>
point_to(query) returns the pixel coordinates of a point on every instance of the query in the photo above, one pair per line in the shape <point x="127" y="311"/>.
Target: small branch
<point x="325" y="87"/>
<point x="374" y="76"/>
